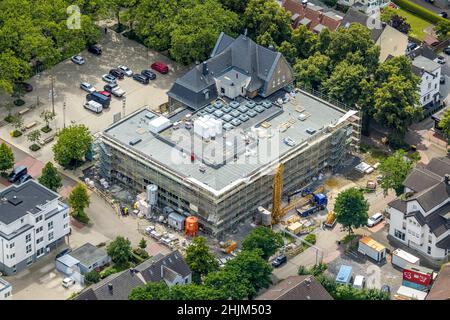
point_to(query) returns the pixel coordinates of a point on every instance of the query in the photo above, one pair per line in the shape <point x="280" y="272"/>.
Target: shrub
<point x="19" y="102"/>
<point x="419" y="11"/>
<point x="92" y="277"/>
<point x="46" y="129"/>
<point x="34" y="147"/>
<point x="108" y="271"/>
<point x="9" y="118"/>
<point x="311" y="238"/>
<point x="16" y="133"/>
<point x="141" y="253"/>
<point x="318" y="269"/>
<point x="415" y="156"/>
<point x="302" y="270"/>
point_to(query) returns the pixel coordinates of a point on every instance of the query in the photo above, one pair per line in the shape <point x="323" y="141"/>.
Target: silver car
<point x="87" y="87"/>
<point x="126" y="70"/>
<point x="78" y="60"/>
<point x="109" y="78"/>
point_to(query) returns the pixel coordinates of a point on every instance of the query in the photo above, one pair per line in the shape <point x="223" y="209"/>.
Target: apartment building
<point x="5" y="290"/>
<point x="429" y="72"/>
<point x="33" y="221"/>
<point x="420" y="218"/>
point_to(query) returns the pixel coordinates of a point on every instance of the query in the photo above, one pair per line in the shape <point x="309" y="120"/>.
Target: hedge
<point x="419" y="11"/>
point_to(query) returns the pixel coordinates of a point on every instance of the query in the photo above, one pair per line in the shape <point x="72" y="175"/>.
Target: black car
<point x="443" y="14"/>
<point x="149" y="74"/>
<point x="95" y="50"/>
<point x="109" y="87"/>
<point x="116" y="73"/>
<point x="140" y="78"/>
<point x="25" y="178"/>
<point x="17" y="173"/>
<point x="279" y="261"/>
<point x="411" y="46"/>
<point x="447" y="50"/>
<point x="25" y="86"/>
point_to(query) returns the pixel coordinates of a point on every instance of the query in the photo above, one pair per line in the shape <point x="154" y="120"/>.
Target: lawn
<point x="417" y="24"/>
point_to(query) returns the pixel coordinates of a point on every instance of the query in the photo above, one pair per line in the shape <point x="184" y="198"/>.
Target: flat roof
<point x="88" y="254"/>
<point x="17" y="201"/>
<point x="372" y="243"/>
<point x="425" y="63"/>
<point x="265" y="148"/>
<point x="406" y="256"/>
<point x="4" y="284"/>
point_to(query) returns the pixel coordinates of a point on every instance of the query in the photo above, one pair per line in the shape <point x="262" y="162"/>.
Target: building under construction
<point x="216" y="159"/>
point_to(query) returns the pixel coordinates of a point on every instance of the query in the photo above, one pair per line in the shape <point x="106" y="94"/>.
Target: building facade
<point x="33" y="221"/>
<point x="5" y="290"/>
<point x="420" y="219"/>
<point x="430" y="75"/>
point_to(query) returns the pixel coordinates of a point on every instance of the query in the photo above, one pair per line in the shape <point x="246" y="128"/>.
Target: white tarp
<point x="363" y="167"/>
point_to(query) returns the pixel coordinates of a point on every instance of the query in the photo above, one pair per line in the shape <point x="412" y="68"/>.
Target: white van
<point x="93" y="106"/>
<point x="359" y="282"/>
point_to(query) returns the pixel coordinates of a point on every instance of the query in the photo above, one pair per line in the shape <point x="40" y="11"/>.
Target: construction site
<point x="221" y="169"/>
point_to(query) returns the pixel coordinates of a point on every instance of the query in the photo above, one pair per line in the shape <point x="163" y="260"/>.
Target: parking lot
<point x="117" y="50"/>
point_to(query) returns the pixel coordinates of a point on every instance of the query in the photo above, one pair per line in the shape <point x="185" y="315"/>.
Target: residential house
<point x="33" y="221"/>
<point x="5" y="290"/>
<point x="171" y="268"/>
<point x="429" y="73"/>
<point x="441" y="286"/>
<point x="237" y="67"/>
<point x="296" y="288"/>
<point x="420" y="218"/>
<point x="392" y="42"/>
<point x="82" y="260"/>
<point x="312" y="16"/>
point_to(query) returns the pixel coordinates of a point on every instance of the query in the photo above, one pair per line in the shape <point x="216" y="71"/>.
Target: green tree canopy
<point x="72" y="145"/>
<point x="442" y="29"/>
<point x="230" y="284"/>
<point x="265" y="239"/>
<point x="50" y="177"/>
<point x="311" y="72"/>
<point x="444" y="124"/>
<point x="304" y="41"/>
<point x="394" y="170"/>
<point x="351" y="209"/>
<point x="120" y="251"/>
<point x="78" y="201"/>
<point x="195" y="292"/>
<point x="200" y="259"/>
<point x="151" y="291"/>
<point x="6" y="157"/>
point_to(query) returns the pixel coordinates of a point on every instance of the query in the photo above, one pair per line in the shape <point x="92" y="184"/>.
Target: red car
<point x="105" y="93"/>
<point x="160" y="67"/>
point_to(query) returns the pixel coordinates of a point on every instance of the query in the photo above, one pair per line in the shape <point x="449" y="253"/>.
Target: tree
<point x="72" y="145"/>
<point x="143" y="243"/>
<point x="6" y="158"/>
<point x="34" y="137"/>
<point x="237" y="6"/>
<point x="194" y="292"/>
<point x="120" y="251"/>
<point x="304" y="41"/>
<point x="442" y="29"/>
<point x="265" y="239"/>
<point x="229" y="284"/>
<point x="394" y="170"/>
<point x="444" y="124"/>
<point x="200" y="259"/>
<point x="311" y="72"/>
<point x="17" y="122"/>
<point x="400" y="24"/>
<point x="351" y="209"/>
<point x="91" y="277"/>
<point x="252" y="268"/>
<point x="50" y="177"/>
<point x="78" y="201"/>
<point x="47" y="116"/>
<point x="261" y="16"/>
<point x="195" y="30"/>
<point x="151" y="291"/>
<point x="289" y="51"/>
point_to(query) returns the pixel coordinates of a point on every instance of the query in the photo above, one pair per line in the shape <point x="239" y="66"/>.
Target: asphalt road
<point x="437" y="7"/>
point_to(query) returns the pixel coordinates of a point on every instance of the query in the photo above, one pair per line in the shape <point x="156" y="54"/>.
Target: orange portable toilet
<point x="191" y="226"/>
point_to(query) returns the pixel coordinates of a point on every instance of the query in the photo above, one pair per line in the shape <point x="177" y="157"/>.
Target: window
<point x="28" y="238"/>
<point x="50" y="236"/>
<point x="65" y="215"/>
<point x="39" y="229"/>
<point x="399" y="234"/>
<point x="28" y="248"/>
<point x="222" y="90"/>
<point x="29" y="260"/>
<point x="40" y="240"/>
<point x="435" y="85"/>
<point x="38" y="219"/>
<point x="429" y="86"/>
<point x="11" y="245"/>
<point x="66" y="225"/>
<point x="429" y="250"/>
<point x="40" y="252"/>
<point x="430" y="238"/>
<point x="50" y="225"/>
<point x="404" y="225"/>
<point x="21" y="220"/>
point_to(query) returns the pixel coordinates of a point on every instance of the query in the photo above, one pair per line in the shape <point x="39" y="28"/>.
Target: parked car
<point x="95" y="50"/>
<point x="149" y="74"/>
<point x="386" y="289"/>
<point x="160" y="67"/>
<point x="93" y="106"/>
<point x="117" y="73"/>
<point x="87" y="87"/>
<point x="68" y="282"/>
<point x="440" y="60"/>
<point x="25" y="86"/>
<point x="375" y="219"/>
<point x="17" y="173"/>
<point x="126" y="70"/>
<point x="411" y="46"/>
<point x="289" y="141"/>
<point x="25" y="178"/>
<point x="63" y="252"/>
<point x="98" y="97"/>
<point x="105" y="93"/>
<point x="140" y="78"/>
<point x="442" y="79"/>
<point x="447" y="50"/>
<point x="109" y="78"/>
<point x="443" y="14"/>
<point x="114" y="89"/>
<point x="78" y="60"/>
<point x="281" y="259"/>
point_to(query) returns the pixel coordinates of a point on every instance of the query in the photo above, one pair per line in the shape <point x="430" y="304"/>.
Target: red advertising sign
<point x="417" y="277"/>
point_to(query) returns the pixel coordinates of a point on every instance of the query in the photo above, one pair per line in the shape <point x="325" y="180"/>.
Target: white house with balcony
<point x="420" y="218"/>
<point x="5" y="290"/>
<point x="33" y="221"/>
<point x="429" y="72"/>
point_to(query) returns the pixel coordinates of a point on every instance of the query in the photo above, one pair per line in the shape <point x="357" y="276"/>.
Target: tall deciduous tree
<point x="444" y="124"/>
<point x="151" y="291"/>
<point x="120" y="251"/>
<point x="72" y="145"/>
<point x="200" y="259"/>
<point x="6" y="158"/>
<point x="265" y="239"/>
<point x="229" y="284"/>
<point x="394" y="170"/>
<point x="304" y="41"/>
<point x="50" y="177"/>
<point x="351" y="209"/>
<point x="311" y="72"/>
<point x="78" y="201"/>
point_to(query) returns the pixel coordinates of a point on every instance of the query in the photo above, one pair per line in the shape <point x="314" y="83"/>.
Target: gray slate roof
<point x="153" y="271"/>
<point x="422" y="63"/>
<point x="27" y="196"/>
<point x="88" y="254"/>
<point x="355" y="16"/>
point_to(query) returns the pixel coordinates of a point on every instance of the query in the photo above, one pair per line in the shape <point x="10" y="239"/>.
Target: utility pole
<point x="52" y="93"/>
<point x="64" y="114"/>
<point x="124" y="102"/>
